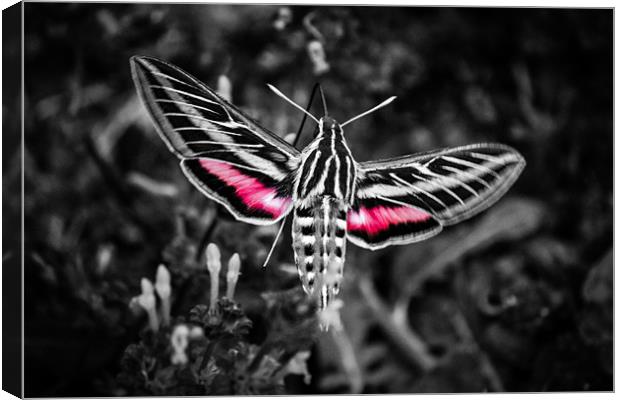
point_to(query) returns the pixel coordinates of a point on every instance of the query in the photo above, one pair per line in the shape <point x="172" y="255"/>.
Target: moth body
<point x="260" y="178"/>
<point x="323" y="189"/>
<point x="319" y="244"/>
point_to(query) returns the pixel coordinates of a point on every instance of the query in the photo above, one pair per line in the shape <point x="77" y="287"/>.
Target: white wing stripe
<point x="183" y="103"/>
<point x="395" y="201"/>
<point x="224" y="144"/>
<point x="183" y="93"/>
<point x="417" y="189"/>
<point x="480" y="167"/>
<point x="178" y="114"/>
<point x="194" y="128"/>
<point x="503" y="160"/>
<point x="267" y="166"/>
<point x="442" y="178"/>
<point x="207" y="125"/>
<point x="232" y="124"/>
<point x="458" y="173"/>
<point x="220" y="151"/>
<point x="439" y="186"/>
<point x="170" y="78"/>
<point x="243" y="166"/>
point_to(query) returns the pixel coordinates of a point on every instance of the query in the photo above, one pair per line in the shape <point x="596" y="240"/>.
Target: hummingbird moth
<point x="260" y="178"/>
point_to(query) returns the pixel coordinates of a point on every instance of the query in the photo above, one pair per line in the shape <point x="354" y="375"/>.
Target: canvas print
<point x="284" y="199"/>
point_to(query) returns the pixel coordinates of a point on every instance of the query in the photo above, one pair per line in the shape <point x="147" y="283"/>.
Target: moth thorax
<point x="319" y="245"/>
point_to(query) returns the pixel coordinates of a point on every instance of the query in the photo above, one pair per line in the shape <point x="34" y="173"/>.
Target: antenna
<point x="279" y="93"/>
<point x="303" y="120"/>
<point x="301" y="127"/>
<point x="323" y="98"/>
<point x="385" y="103"/>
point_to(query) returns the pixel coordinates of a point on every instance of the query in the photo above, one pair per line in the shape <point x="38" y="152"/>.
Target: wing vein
<point x="183" y="93"/>
<point x="418" y="190"/>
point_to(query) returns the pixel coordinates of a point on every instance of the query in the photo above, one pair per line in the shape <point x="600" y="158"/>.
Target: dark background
<point x="518" y="298"/>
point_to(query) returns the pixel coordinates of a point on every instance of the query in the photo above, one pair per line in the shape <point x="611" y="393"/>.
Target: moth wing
<point x="224" y="153"/>
<point x="408" y="199"/>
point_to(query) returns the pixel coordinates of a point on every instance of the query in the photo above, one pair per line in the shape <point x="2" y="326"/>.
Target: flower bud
<point x="224" y="87"/>
<point x="214" y="265"/>
<point x="285" y="16"/>
<point x="147" y="301"/>
<point x="179" y="342"/>
<point x="234" y="264"/>
<point x="162" y="282"/>
<point x="147" y="298"/>
<point x="196" y="332"/>
<point x="213" y="258"/>
<point x="316" y="52"/>
<point x="163" y="289"/>
<point x="134" y="305"/>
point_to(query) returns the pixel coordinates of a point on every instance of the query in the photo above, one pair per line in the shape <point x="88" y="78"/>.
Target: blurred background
<point x="519" y="298"/>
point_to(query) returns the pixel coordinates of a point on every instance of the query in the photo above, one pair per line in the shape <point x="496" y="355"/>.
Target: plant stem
<point x="414" y="348"/>
<point x="207" y="235"/>
<point x="349" y="362"/>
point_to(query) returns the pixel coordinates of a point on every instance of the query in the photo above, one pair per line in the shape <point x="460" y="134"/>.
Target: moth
<point x="260" y="178"/>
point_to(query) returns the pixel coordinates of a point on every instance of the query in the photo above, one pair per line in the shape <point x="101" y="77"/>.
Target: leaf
<point x="460" y="373"/>
<point x="596" y="319"/>
<point x="598" y="287"/>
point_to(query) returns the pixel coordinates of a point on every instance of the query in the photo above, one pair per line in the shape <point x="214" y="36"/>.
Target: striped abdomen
<point x="319" y="232"/>
<point x="322" y="193"/>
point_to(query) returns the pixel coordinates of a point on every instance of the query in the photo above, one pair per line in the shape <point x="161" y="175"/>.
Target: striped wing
<point x="223" y="152"/>
<point x="408" y="199"/>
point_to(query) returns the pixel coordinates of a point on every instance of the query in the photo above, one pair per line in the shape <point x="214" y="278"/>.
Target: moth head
<point x="328" y="122"/>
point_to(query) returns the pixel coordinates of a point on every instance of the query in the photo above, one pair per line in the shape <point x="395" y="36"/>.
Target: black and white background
<point x="519" y="298"/>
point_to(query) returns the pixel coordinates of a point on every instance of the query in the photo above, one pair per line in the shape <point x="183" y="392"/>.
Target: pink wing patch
<point x="377" y="219"/>
<point x="253" y="193"/>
